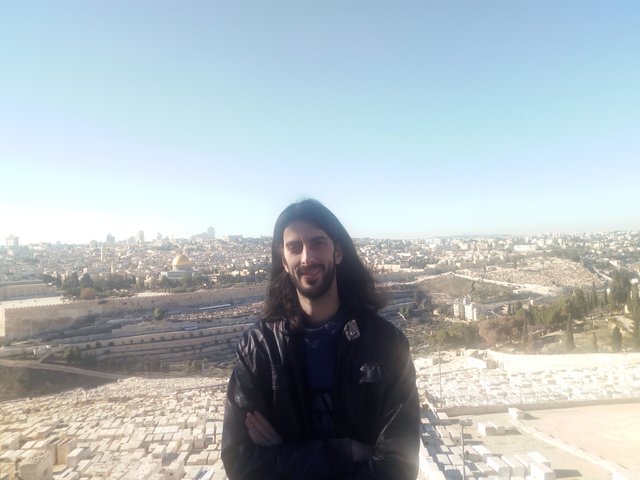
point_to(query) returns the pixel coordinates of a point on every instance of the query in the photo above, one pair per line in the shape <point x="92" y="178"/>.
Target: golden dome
<point x="181" y="260"/>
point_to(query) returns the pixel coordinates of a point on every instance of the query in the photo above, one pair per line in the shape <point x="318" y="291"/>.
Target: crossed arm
<point x="262" y="433"/>
<point x="260" y="430"/>
<point x="252" y="448"/>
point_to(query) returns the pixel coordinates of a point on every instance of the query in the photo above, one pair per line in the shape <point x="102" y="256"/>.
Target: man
<point x="324" y="388"/>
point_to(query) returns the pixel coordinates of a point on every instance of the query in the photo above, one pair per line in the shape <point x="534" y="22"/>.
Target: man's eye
<point x="294" y="248"/>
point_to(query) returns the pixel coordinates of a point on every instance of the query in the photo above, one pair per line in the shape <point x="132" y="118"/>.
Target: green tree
<point x="200" y="280"/>
<point x="634" y="303"/>
<point x="71" y="285"/>
<point x="620" y="286"/>
<point x="117" y="281"/>
<point x="593" y="298"/>
<point x="72" y="355"/>
<point x="196" y="366"/>
<point x="405" y="312"/>
<point x="635" y="334"/>
<point x="577" y="304"/>
<point x="419" y="297"/>
<point x="158" y="313"/>
<point x="46" y="278"/>
<point x="67" y="355"/>
<point x="457" y="334"/>
<point x="427" y="304"/>
<point x="559" y="313"/>
<point x="616" y="339"/>
<point x="594" y="342"/>
<point x="570" y="342"/>
<point x="634" y="312"/>
<point x="86" y="281"/>
<point x="23" y="379"/>
<point x="526" y="321"/>
<point x="471" y="336"/>
<point x="166" y="283"/>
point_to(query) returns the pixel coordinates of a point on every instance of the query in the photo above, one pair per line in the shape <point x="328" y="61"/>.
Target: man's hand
<point x="260" y="430"/>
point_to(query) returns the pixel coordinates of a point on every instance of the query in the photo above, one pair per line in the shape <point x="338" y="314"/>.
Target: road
<point x="59" y="368"/>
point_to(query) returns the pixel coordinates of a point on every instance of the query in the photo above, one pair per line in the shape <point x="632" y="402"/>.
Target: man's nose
<point x="308" y="257"/>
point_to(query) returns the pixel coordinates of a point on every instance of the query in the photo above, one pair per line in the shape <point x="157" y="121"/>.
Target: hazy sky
<point x="408" y="119"/>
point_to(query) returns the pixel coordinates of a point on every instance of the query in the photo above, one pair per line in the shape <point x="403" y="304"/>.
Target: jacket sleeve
<point x="397" y="447"/>
<point x="243" y="460"/>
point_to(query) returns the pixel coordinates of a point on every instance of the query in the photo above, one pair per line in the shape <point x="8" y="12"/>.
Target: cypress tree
<point x="570" y="343"/>
<point x="593" y="298"/>
<point x="634" y="311"/>
<point x="616" y="339"/>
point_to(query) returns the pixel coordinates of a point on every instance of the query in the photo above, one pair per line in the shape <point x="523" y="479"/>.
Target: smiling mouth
<point x="311" y="272"/>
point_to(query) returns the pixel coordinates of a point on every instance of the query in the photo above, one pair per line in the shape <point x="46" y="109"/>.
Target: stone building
<point x="181" y="268"/>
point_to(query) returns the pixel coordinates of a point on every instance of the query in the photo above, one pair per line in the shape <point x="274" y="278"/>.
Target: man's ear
<point x="284" y="264"/>
<point x="337" y="254"/>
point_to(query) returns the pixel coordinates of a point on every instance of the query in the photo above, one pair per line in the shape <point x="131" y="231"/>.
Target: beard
<point x="318" y="288"/>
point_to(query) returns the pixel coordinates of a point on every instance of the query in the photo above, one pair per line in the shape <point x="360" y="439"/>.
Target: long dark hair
<point x="356" y="285"/>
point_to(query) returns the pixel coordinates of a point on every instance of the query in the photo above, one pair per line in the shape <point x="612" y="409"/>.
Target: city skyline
<point x="159" y="236"/>
<point x="431" y="120"/>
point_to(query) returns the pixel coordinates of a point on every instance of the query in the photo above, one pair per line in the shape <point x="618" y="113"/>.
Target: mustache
<point x="310" y="269"/>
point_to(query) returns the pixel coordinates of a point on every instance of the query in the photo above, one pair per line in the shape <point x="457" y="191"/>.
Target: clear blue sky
<point x="408" y="119"/>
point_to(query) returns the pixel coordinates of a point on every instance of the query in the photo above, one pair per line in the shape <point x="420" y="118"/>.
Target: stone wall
<point x="26" y="322"/>
<point x="528" y="407"/>
<point x="511" y="362"/>
<point x="11" y="290"/>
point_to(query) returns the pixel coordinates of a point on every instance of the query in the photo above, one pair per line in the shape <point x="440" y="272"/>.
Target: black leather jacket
<point x="375" y="402"/>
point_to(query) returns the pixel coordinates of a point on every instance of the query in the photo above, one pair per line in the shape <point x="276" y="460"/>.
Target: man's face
<point x="310" y="258"/>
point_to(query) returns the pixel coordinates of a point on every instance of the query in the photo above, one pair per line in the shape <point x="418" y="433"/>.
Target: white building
<point x="181" y="268"/>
